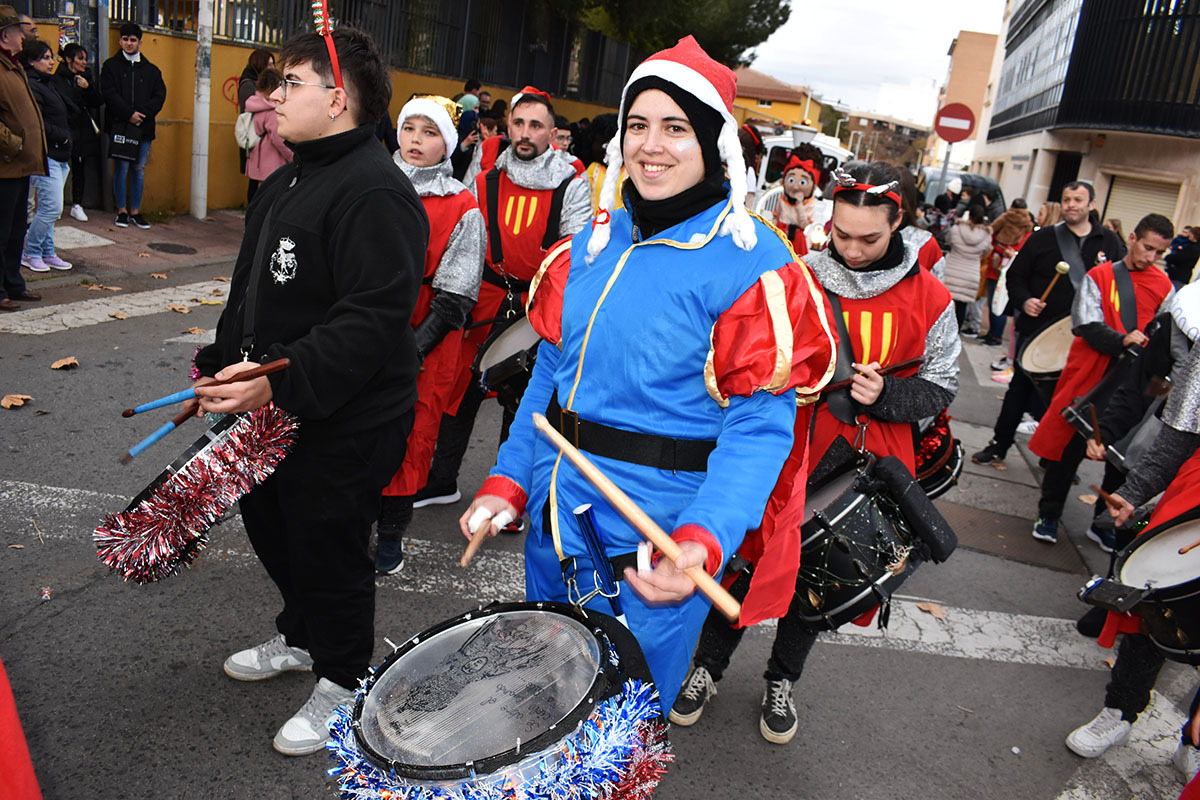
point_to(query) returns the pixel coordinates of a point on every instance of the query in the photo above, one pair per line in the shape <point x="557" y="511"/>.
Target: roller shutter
<point x="1130" y="199"/>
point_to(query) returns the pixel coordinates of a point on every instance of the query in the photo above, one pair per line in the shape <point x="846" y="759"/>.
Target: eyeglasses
<point x="286" y="81"/>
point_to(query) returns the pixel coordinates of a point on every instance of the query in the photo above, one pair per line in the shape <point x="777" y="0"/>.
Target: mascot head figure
<point x="802" y="173"/>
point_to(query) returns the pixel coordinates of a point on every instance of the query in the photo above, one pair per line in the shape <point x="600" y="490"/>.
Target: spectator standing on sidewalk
<point x="22" y="153"/>
<point x="270" y="153"/>
<point x="134" y="93"/>
<point x="83" y="106"/>
<point x="259" y="62"/>
<point x="969" y="240"/>
<point x="39" y="254"/>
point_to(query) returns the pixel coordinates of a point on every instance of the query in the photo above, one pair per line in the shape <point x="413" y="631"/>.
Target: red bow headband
<point x="753" y="135"/>
<point x="531" y="90"/>
<point x="807" y="165"/>
<point x="320" y="9"/>
<point x="847" y="183"/>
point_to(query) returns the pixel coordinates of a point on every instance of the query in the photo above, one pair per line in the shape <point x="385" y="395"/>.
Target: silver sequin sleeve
<point x="577" y="207"/>
<point x="1088" y="306"/>
<point x="942" y="347"/>
<point x="461" y="267"/>
<point x="1183" y="404"/>
<point x="939" y="269"/>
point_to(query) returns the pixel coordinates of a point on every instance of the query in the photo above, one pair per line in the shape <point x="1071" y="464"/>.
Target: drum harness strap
<point x="571" y="566"/>
<point x="1125" y="296"/>
<point x="250" y="299"/>
<point x="1068" y="247"/>
<point x="841" y="404"/>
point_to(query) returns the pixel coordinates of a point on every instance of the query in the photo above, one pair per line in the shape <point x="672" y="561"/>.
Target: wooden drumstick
<point x="479" y="524"/>
<point x="639" y="519"/>
<point x="1095" y="425"/>
<point x="888" y="370"/>
<point x="1061" y="268"/>
<point x="1183" y="551"/>
<point x="1108" y="499"/>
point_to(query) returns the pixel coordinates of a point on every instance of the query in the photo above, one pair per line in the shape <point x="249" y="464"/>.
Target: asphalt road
<point x="122" y="695"/>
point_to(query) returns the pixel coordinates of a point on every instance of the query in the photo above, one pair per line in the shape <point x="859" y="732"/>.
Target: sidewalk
<point x="99" y="250"/>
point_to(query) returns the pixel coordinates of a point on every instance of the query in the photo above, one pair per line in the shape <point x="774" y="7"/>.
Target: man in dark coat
<point x="134" y="93"/>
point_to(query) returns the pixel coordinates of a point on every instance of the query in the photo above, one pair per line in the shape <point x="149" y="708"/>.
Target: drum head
<point x="516" y="338"/>
<point x="1047" y="351"/>
<point x="1155" y="561"/>
<point x="824" y="498"/>
<point x="476" y="687"/>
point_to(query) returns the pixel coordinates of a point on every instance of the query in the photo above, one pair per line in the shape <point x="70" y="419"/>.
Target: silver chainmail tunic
<point x="942" y="344"/>
<point x="546" y="171"/>
<point x="1183" y="405"/>
<point x="917" y="237"/>
<point x="461" y="266"/>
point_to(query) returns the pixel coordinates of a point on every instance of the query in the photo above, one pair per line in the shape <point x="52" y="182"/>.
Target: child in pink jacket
<point x="270" y="153"/>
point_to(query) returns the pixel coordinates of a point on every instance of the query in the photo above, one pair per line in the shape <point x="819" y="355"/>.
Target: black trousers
<point x="1133" y="675"/>
<point x="1056" y="485"/>
<point x="718" y="639"/>
<point x="14" y="194"/>
<point x="1021" y="396"/>
<point x="310" y="524"/>
<point x="454" y="437"/>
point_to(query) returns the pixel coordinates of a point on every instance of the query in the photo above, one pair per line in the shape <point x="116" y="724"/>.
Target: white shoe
<point x="77" y="213"/>
<point x="1028" y="427"/>
<point x="308" y="731"/>
<point x="1106" y="730"/>
<point x="1187" y="761"/>
<point x="271" y="658"/>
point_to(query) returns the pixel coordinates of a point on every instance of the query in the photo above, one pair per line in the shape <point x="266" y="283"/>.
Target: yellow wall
<point x="790" y="113"/>
<point x="169" y="171"/>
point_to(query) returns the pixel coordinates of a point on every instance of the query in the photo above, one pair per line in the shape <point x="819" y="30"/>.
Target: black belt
<point x="490" y="275"/>
<point x="647" y="449"/>
<point x="619" y="563"/>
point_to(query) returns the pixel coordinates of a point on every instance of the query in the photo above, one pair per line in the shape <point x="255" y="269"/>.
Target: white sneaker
<point x="77" y="213"/>
<point x="1187" y="761"/>
<point x="308" y="731"/>
<point x="1027" y="427"/>
<point x="272" y="657"/>
<point x="1106" y="730"/>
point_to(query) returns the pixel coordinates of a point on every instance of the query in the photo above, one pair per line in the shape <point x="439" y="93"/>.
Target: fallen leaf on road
<point x="999" y="465"/>
<point x="211" y="302"/>
<point x="41" y="412"/>
<point x="193" y="299"/>
<point x="1090" y="499"/>
<point x="159" y="275"/>
<point x="117" y="315"/>
<point x="112" y="288"/>
<point x="16" y="547"/>
<point x="95" y="287"/>
<point x="218" y="293"/>
<point x="195" y="331"/>
<point x="936" y="611"/>
<point x="144" y="255"/>
<point x="1110" y="661"/>
<point x="221" y="279"/>
<point x="65" y="363"/>
<point x="180" y="309"/>
<point x="14" y="400"/>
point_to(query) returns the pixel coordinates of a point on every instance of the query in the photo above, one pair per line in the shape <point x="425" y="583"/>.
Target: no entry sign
<point x="954" y="122"/>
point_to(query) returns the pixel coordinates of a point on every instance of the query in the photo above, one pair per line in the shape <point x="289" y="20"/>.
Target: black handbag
<point x="125" y="141"/>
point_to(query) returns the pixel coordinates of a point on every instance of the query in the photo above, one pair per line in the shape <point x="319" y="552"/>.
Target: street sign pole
<point x="945" y="166"/>
<point x="953" y="123"/>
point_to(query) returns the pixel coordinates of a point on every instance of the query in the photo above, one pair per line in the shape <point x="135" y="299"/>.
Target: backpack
<point x="244" y="133"/>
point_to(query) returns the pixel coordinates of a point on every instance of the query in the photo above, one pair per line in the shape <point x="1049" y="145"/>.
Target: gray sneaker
<point x="308" y="731"/>
<point x="272" y="657"/>
<point x="697" y="690"/>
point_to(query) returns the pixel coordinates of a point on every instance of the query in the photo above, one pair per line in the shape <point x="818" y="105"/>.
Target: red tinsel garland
<point x="168" y="530"/>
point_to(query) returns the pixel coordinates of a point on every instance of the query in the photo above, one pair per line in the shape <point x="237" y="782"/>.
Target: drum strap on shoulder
<point x="1068" y="248"/>
<point x="250" y="299"/>
<point x="1126" y="296"/>
<point x="549" y="237"/>
<point x="840" y="403"/>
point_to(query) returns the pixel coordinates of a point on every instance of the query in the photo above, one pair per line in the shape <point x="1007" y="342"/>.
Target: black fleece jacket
<point x="1033" y="269"/>
<point x="55" y="113"/>
<point x="342" y="260"/>
<point x="129" y="87"/>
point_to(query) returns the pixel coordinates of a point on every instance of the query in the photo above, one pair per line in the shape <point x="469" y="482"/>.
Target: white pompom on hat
<point x="437" y="109"/>
<point x="954" y="185"/>
<point x="687" y="66"/>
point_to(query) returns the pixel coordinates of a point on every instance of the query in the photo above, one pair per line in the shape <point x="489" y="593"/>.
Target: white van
<point x="779" y="150"/>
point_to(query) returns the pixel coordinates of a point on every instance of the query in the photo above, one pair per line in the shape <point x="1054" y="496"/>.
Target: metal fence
<point x="500" y="42"/>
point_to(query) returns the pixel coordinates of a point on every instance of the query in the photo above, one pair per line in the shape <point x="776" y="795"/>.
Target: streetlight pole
<point x="837" y="132"/>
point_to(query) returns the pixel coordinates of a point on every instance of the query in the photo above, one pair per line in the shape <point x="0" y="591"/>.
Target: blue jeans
<point x="121" y="175"/>
<point x="39" y="239"/>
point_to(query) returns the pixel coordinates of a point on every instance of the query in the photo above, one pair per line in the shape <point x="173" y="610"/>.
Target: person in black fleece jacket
<point x="39" y="254"/>
<point x="334" y="247"/>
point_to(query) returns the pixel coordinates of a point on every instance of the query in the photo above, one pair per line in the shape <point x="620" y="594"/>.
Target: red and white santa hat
<point x="687" y="66"/>
<point x="441" y="111"/>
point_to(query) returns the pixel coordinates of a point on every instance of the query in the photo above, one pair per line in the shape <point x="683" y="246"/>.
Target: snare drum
<point x="939" y="456"/>
<point x="506" y="360"/>
<point x="855" y="551"/>
<point x="511" y="700"/>
<point x="1044" y="355"/>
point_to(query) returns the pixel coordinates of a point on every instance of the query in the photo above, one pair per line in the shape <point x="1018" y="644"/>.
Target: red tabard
<point x="435" y="382"/>
<point x="1086" y="366"/>
<point x="888" y="328"/>
<point x="798" y="240"/>
<point x="523" y="216"/>
<point x="929" y="254"/>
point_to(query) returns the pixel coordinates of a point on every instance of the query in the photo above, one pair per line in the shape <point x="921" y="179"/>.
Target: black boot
<point x="395" y="513"/>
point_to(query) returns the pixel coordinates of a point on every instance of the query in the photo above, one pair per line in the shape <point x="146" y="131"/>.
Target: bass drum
<point x="1043" y="356"/>
<point x="939" y="456"/>
<point x="505" y="361"/>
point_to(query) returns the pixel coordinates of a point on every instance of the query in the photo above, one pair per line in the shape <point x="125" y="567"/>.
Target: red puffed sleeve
<point x="546" y="292"/>
<point x="777" y="336"/>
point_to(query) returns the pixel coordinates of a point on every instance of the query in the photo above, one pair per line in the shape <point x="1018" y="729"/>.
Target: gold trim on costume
<point x="781" y="325"/>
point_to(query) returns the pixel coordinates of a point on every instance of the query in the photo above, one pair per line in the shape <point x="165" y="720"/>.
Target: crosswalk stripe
<point x="82" y="313"/>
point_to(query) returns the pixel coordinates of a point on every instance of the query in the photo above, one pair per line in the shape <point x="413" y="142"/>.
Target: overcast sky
<point x="874" y="55"/>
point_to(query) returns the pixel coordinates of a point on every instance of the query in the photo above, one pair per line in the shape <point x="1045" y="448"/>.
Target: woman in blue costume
<point x="680" y="337"/>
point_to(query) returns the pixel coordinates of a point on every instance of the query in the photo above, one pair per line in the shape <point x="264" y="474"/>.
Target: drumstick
<point x="187" y="394"/>
<point x="479" y="524"/>
<point x="640" y="520"/>
<point x="1095" y="425"/>
<point x="1108" y="499"/>
<point x="137" y="449"/>
<point x="1061" y="268"/>
<point x="1183" y="551"/>
<point x="888" y="370"/>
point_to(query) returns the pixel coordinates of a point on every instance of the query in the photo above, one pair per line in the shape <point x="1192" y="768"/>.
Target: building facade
<point x="764" y="100"/>
<point x="876" y="137"/>
<point x="1103" y="91"/>
<point x="971" y="55"/>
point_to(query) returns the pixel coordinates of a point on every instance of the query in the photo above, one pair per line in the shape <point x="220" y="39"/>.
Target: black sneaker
<point x="1103" y="535"/>
<point x="389" y="558"/>
<point x="436" y="496"/>
<point x="697" y="690"/>
<point x="778" y="723"/>
<point x="1045" y="529"/>
<point x="140" y="221"/>
<point x="1092" y="622"/>
<point x="993" y="452"/>
<point x="122" y="220"/>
